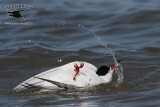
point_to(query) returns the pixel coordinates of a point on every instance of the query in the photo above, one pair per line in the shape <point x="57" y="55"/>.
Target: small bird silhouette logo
<point x="15" y="14"/>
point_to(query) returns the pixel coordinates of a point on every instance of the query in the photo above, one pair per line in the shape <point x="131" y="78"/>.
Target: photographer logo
<point x="17" y="14"/>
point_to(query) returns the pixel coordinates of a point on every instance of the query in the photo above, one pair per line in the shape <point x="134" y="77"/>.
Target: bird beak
<point x="119" y="61"/>
<point x="113" y="66"/>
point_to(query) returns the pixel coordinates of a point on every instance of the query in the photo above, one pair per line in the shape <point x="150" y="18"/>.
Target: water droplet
<point x="29" y="41"/>
<point x="60" y="60"/>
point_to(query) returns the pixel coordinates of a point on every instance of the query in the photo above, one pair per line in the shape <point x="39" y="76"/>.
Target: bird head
<point x="106" y="72"/>
<point x="103" y="70"/>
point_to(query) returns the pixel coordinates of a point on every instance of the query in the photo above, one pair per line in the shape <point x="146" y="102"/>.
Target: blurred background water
<point x="130" y="27"/>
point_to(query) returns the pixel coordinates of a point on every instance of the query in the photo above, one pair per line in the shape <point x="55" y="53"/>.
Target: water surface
<point x="130" y="27"/>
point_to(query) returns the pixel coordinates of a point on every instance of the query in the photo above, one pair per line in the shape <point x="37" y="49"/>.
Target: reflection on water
<point x="130" y="28"/>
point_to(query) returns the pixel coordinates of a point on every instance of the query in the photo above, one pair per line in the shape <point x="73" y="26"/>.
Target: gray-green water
<point x="130" y="27"/>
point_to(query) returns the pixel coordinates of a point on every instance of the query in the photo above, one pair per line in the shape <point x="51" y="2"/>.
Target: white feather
<point x="64" y="74"/>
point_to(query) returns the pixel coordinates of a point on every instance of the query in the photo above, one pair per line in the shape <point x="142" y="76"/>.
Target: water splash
<point x="119" y="68"/>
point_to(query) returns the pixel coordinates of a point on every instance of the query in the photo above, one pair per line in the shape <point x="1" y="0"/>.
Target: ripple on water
<point x="130" y="27"/>
<point x="151" y="49"/>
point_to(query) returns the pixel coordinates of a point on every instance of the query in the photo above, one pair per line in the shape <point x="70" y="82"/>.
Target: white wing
<point x="63" y="76"/>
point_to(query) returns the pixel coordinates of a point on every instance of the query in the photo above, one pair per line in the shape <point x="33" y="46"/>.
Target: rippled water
<point x="130" y="27"/>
